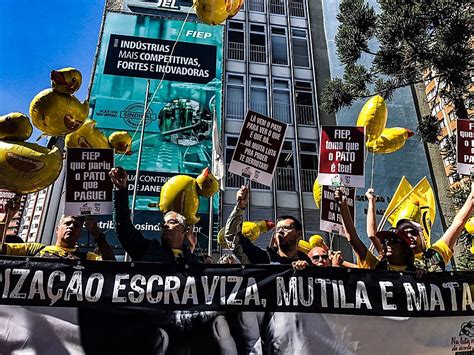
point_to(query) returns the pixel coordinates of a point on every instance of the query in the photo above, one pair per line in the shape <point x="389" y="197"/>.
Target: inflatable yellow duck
<point x="314" y="241"/>
<point x="373" y="117"/>
<point x="214" y="12"/>
<point x="25" y="167"/>
<point x="181" y="194"/>
<point x="15" y="126"/>
<point x="89" y="136"/>
<point x="391" y="140"/>
<point x="56" y="111"/>
<point x="250" y="230"/>
<point x="317" y="191"/>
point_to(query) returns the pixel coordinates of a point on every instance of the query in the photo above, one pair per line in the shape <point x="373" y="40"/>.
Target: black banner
<point x="275" y="288"/>
<point x="151" y="58"/>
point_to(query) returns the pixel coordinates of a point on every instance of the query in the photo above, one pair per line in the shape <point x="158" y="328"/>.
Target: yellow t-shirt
<point x="38" y="249"/>
<point x="443" y="249"/>
<point x="371" y="262"/>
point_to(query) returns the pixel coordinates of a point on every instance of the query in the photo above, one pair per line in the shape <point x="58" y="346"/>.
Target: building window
<point x="258" y="52"/>
<point x="300" y="48"/>
<point x="235" y="41"/>
<point x="452" y="115"/>
<point x="296" y="8"/>
<point x="277" y="7"/>
<point x="442" y="124"/>
<point x="309" y="165"/>
<point x="436" y="109"/>
<point x="256" y="5"/>
<point x="304" y="103"/>
<point x="285" y="171"/>
<point x="235" y="107"/>
<point x="281" y="101"/>
<point x="258" y="95"/>
<point x="279" y="46"/>
<point x="431" y="94"/>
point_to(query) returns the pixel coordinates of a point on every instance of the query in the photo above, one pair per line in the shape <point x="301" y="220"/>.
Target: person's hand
<point x="336" y="258"/>
<point x="119" y="177"/>
<point x="242" y="197"/>
<point x="10" y="208"/>
<point x="370" y="194"/>
<point x="191" y="236"/>
<point x="90" y="223"/>
<point x="339" y="196"/>
<point x="299" y="265"/>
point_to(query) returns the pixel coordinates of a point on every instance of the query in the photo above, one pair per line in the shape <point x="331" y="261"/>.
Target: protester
<point x="67" y="235"/>
<point x="228" y="259"/>
<point x="288" y="232"/>
<point x="321" y="257"/>
<point x="397" y="254"/>
<point x="438" y="255"/>
<point x="175" y="231"/>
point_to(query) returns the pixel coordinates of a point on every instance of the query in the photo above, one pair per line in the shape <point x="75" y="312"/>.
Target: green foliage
<point x="428" y="129"/>
<point x="411" y="36"/>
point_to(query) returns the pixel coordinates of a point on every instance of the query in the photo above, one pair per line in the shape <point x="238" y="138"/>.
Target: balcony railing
<point x="258" y="53"/>
<point x="235" y="50"/>
<point x="235" y="109"/>
<point x="296" y="8"/>
<point x="258" y="106"/>
<point x="307" y="179"/>
<point x="304" y="114"/>
<point x="285" y="179"/>
<point x="282" y="112"/>
<point x="277" y="7"/>
<point x="256" y="5"/>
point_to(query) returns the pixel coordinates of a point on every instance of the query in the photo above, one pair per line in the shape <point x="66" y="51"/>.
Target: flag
<point x="402" y="191"/>
<point x="426" y="199"/>
<point x="217" y="155"/>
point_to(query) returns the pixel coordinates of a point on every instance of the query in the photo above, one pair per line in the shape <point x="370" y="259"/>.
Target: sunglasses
<point x="392" y="241"/>
<point x="320" y="257"/>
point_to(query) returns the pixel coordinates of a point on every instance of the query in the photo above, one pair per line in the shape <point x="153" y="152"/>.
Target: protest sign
<point x="342" y="153"/>
<point x="258" y="148"/>
<point x="331" y="219"/>
<point x="88" y="186"/>
<point x="465" y="146"/>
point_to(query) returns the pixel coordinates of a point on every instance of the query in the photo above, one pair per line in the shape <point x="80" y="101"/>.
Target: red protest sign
<point x="342" y="152"/>
<point x="465" y="146"/>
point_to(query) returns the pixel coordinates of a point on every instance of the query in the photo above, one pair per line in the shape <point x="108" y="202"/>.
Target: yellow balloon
<point x="250" y="230"/>
<point x="66" y="80"/>
<point x="87" y="136"/>
<point x="373" y="117"/>
<point x="470" y="225"/>
<point x="181" y="194"/>
<point x="236" y="6"/>
<point x="317" y="241"/>
<point x="121" y="141"/>
<point x="391" y="140"/>
<point x="28" y="167"/>
<point x="304" y="246"/>
<point x="317" y="190"/>
<point x="213" y="12"/>
<point x="207" y="183"/>
<point x="15" y="126"/>
<point x="57" y="114"/>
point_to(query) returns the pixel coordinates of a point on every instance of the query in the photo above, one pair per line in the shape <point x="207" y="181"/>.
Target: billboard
<point x="183" y="60"/>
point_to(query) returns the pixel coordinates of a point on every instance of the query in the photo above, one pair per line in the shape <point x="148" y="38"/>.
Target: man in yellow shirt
<point x="67" y="235"/>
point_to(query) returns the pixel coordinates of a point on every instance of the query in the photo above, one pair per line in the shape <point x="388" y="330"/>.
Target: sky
<point x="37" y="36"/>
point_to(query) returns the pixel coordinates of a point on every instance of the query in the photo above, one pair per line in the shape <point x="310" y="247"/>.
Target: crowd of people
<point x="400" y="248"/>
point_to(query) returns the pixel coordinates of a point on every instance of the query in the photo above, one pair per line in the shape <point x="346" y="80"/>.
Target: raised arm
<point x="99" y="239"/>
<point x="131" y="239"/>
<point x="454" y="231"/>
<point x="372" y="220"/>
<point x="351" y="234"/>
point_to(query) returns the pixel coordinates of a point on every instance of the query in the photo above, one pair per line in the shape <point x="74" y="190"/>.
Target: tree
<point x="409" y="36"/>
